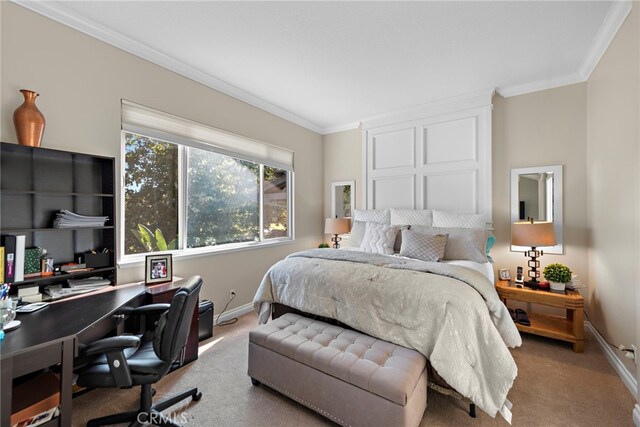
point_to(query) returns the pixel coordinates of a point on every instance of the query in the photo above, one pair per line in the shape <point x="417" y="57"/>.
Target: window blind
<point x="158" y="124"/>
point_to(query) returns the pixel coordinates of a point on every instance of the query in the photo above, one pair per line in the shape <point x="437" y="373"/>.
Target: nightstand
<point x="569" y="329"/>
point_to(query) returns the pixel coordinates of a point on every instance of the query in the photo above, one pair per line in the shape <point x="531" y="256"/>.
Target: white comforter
<point x="450" y="314"/>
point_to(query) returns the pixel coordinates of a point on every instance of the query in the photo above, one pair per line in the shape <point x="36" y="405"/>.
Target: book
<point x="33" y="298"/>
<point x="20" y="246"/>
<point x="24" y="291"/>
<point x="32" y="261"/>
<point x="9" y="258"/>
<point x="1" y="264"/>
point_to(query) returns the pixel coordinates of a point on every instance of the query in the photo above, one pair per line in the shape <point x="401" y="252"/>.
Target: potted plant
<point x="558" y="275"/>
<point x="323" y="245"/>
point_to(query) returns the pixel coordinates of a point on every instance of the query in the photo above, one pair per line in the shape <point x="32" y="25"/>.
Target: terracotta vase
<point x="28" y="120"/>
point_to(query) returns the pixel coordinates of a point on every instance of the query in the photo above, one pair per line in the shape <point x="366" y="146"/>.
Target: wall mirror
<point x="537" y="193"/>
<point x="343" y="198"/>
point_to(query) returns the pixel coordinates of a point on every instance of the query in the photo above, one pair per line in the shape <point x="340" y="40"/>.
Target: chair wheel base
<point x="197" y="396"/>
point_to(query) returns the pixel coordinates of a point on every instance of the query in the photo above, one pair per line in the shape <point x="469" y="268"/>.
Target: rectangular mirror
<point x="536" y="193"/>
<point x="343" y="197"/>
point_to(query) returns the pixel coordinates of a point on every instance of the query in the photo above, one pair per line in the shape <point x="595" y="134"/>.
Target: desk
<point x="54" y="335"/>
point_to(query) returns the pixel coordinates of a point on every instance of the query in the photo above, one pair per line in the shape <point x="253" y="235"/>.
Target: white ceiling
<point x="328" y="65"/>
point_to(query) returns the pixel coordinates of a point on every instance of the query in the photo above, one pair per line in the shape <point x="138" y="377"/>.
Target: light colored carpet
<point x="555" y="387"/>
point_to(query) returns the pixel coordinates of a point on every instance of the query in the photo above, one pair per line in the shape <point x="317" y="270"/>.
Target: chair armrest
<point x="111" y="344"/>
<point x="151" y="309"/>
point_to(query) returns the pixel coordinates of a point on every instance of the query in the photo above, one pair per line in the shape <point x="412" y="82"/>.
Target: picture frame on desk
<point x="158" y="269"/>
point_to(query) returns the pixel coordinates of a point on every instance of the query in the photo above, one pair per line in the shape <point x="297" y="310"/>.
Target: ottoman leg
<point x="255" y="382"/>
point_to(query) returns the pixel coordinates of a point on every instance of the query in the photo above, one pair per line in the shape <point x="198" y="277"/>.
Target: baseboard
<point x="627" y="377"/>
<point x="636" y="415"/>
<point x="236" y="312"/>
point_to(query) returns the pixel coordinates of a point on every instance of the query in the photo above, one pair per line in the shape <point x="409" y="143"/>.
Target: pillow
<point x="380" y="216"/>
<point x="398" y="244"/>
<point x="463" y="243"/>
<point x="357" y="233"/>
<point x="411" y="216"/>
<point x="426" y="247"/>
<point x="459" y="220"/>
<point x="379" y="238"/>
<point x="491" y="240"/>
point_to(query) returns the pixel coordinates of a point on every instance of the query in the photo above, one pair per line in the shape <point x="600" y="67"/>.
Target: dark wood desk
<point x="55" y="334"/>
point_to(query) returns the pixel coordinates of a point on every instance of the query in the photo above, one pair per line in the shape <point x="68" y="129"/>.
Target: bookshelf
<point x="35" y="183"/>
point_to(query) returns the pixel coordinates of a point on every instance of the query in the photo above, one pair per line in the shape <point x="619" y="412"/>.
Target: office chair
<point x="126" y="361"/>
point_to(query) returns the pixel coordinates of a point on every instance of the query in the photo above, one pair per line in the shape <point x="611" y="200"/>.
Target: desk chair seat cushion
<point x="144" y="365"/>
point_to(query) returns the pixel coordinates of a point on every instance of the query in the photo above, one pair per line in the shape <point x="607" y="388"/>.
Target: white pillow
<point x="411" y="217"/>
<point x="357" y="233"/>
<point x="379" y="238"/>
<point x="426" y="247"/>
<point x="459" y="220"/>
<point x="463" y="243"/>
<point x="380" y="216"/>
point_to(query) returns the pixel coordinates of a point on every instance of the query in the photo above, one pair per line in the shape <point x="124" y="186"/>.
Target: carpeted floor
<point x="555" y="387"/>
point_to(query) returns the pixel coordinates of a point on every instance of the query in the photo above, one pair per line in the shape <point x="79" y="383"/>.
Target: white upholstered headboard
<point x="434" y="157"/>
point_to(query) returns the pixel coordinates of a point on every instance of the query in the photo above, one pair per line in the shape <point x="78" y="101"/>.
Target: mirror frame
<point x="557" y="171"/>
<point x="335" y="184"/>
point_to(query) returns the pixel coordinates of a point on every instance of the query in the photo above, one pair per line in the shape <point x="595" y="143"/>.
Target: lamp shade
<point x="534" y="234"/>
<point x="337" y="225"/>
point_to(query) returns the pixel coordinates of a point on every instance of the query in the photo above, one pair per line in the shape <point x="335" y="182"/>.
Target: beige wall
<point x="343" y="162"/>
<point x="613" y="206"/>
<point x="82" y="80"/>
<point x="540" y="129"/>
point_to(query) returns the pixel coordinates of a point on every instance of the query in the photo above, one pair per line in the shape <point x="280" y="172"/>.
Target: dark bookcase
<point x="35" y="183"/>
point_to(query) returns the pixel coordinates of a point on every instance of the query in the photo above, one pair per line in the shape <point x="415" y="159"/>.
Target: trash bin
<point x="205" y="312"/>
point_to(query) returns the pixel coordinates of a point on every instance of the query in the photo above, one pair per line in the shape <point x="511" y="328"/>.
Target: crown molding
<point x="340" y="128"/>
<point x="618" y="12"/>
<point x="612" y="22"/>
<point x="482" y="98"/>
<point x="59" y="13"/>
<point x="569" y="79"/>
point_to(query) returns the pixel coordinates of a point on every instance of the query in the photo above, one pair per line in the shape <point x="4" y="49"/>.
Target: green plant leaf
<point x="146" y="237"/>
<point x="161" y="243"/>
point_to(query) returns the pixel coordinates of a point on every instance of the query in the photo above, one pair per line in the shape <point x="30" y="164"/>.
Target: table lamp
<point x="337" y="226"/>
<point x="534" y="234"/>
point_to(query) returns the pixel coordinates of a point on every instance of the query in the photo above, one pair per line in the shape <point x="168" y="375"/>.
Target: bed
<point x="448" y="311"/>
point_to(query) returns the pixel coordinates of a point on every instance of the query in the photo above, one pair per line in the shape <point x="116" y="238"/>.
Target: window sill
<point x="139" y="260"/>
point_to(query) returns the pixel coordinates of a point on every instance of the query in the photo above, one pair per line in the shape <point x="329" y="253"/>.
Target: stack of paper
<point x="76" y="286"/>
<point x="88" y="283"/>
<point x="68" y="219"/>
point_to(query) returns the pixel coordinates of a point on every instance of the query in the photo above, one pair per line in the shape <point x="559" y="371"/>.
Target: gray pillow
<point x="426" y="247"/>
<point x="463" y="243"/>
<point x="398" y="244"/>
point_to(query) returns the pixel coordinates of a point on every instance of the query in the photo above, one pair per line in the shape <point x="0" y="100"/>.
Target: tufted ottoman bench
<point x="350" y="378"/>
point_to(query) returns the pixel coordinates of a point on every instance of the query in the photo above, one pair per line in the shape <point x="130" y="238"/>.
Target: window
<point x="225" y="200"/>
